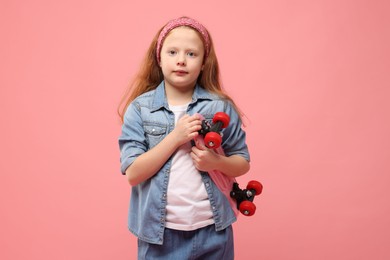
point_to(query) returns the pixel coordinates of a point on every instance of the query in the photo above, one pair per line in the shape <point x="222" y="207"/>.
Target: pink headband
<point x="183" y="21"/>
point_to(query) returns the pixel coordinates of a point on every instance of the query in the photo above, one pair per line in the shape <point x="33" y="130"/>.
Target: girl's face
<point x="182" y="58"/>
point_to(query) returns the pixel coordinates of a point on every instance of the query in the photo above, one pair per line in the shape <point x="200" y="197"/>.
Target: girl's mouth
<point x="180" y="72"/>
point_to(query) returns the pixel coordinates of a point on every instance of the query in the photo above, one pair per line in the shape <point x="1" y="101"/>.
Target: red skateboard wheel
<point x="255" y="185"/>
<point x="247" y="208"/>
<point x="212" y="140"/>
<point x="222" y="117"/>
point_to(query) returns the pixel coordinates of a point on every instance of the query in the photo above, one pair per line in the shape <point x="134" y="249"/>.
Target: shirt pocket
<point x="154" y="134"/>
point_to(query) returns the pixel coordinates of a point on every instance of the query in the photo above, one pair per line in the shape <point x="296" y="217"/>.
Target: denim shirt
<point x="147" y="121"/>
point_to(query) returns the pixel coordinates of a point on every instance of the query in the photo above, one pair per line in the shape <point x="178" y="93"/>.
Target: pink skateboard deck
<point x="223" y="182"/>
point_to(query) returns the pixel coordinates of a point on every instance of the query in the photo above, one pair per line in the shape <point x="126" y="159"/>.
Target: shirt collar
<point x="160" y="99"/>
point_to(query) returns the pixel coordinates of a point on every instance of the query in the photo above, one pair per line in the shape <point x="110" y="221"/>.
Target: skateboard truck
<point x="212" y="132"/>
<point x="246" y="196"/>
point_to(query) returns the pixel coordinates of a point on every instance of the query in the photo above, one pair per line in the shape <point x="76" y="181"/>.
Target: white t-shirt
<point x="188" y="206"/>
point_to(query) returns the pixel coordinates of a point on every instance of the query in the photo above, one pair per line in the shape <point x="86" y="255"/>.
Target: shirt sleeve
<point x="132" y="141"/>
<point x="234" y="137"/>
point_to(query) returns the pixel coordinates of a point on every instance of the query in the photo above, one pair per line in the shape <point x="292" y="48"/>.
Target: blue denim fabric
<point x="204" y="243"/>
<point x="147" y="121"/>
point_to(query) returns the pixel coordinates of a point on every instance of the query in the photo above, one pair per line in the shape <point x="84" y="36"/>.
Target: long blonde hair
<point x="150" y="76"/>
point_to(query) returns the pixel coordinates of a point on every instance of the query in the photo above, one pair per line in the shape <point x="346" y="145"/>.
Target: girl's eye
<point x="172" y="52"/>
<point x="191" y="54"/>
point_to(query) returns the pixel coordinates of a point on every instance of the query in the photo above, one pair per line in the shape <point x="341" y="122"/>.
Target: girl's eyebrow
<point x="187" y="49"/>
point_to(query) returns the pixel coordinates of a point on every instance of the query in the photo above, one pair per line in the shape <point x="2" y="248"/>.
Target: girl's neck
<point x="178" y="96"/>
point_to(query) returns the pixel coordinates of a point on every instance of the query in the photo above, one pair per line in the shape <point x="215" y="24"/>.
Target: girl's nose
<point x="181" y="61"/>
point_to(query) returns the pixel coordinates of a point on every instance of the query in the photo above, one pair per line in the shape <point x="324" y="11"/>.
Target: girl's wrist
<point x="219" y="162"/>
<point x="173" y="139"/>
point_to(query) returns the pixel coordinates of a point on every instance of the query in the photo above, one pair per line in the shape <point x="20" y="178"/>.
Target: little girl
<point x="176" y="210"/>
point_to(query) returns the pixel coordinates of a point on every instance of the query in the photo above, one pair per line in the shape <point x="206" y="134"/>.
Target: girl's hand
<point x="187" y="128"/>
<point x="204" y="159"/>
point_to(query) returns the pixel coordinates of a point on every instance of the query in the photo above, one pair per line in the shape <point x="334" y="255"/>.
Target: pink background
<point x="311" y="76"/>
